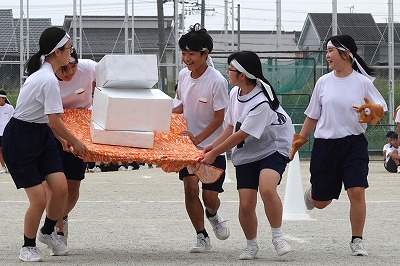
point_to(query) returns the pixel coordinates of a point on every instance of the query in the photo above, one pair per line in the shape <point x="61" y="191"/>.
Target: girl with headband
<point x="340" y="151"/>
<point x="29" y="145"/>
<point x="259" y="132"/>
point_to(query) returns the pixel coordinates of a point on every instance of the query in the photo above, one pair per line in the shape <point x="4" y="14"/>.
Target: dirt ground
<point x="139" y="218"/>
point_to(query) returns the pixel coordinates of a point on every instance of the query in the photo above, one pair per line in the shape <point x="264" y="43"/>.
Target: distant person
<point x="342" y="99"/>
<point x="6" y="112"/>
<point x="29" y="145"/>
<point x="392" y="155"/>
<point x="387" y="145"/>
<point x="204" y="95"/>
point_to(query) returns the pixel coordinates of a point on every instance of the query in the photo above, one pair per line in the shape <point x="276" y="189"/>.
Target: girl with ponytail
<point x="260" y="133"/>
<point x="29" y="145"/>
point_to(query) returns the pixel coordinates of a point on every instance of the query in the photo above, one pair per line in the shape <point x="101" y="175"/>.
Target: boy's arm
<point x="214" y="125"/>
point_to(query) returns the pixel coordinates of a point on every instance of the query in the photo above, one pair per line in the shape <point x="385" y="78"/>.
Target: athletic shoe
<point x="95" y="169"/>
<point x="30" y="254"/>
<point x="307" y="199"/>
<point x="122" y="168"/>
<point x="219" y="226"/>
<point x="202" y="244"/>
<point x="249" y="253"/>
<point x="357" y="247"/>
<point x="54" y="243"/>
<point x="281" y="246"/>
<point x="3" y="170"/>
<point x="398" y="169"/>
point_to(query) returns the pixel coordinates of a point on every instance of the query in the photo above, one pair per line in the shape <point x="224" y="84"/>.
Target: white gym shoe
<point x="122" y="168"/>
<point x="281" y="246"/>
<point x="357" y="247"/>
<point x="219" y="226"/>
<point x="95" y="169"/>
<point x="54" y="243"/>
<point x="202" y="244"/>
<point x="30" y="254"/>
<point x="307" y="199"/>
<point x="249" y="253"/>
<point x="3" y="170"/>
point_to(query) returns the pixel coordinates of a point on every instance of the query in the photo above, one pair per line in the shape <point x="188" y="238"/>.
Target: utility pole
<point x="391" y="60"/>
<point x="334" y="17"/>
<point x="203" y="12"/>
<point x="238" y="27"/>
<point x="161" y="45"/>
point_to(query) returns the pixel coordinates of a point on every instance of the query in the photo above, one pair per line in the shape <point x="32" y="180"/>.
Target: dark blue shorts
<point x="337" y="161"/>
<point x="74" y="167"/>
<point x="220" y="162"/>
<point x="248" y="175"/>
<point x="30" y="152"/>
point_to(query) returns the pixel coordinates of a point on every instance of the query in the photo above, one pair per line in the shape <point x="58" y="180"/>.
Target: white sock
<point x="276" y="232"/>
<point x="252" y="242"/>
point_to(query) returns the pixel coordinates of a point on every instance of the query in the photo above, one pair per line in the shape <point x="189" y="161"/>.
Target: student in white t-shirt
<point x="77" y="80"/>
<point x="260" y="133"/>
<point x="387" y="145"/>
<point x="340" y="151"/>
<point x="29" y="145"/>
<point x="6" y="112"/>
<point x="392" y="161"/>
<point x="203" y="92"/>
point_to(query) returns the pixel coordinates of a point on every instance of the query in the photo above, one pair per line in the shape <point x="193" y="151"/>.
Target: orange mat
<point x="171" y="151"/>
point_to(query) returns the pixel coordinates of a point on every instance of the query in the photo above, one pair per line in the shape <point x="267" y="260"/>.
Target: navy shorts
<point x="337" y="161"/>
<point x="391" y="166"/>
<point x="220" y="162"/>
<point x="1" y="140"/>
<point x="30" y="152"/>
<point x="74" y="167"/>
<point x="248" y="175"/>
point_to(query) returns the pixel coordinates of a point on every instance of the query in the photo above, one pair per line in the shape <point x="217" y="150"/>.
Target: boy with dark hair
<point x="204" y="95"/>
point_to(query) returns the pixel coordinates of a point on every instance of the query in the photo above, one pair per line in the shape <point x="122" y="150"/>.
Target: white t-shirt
<point x="269" y="131"/>
<point x="389" y="150"/>
<point x="200" y="98"/>
<point x="6" y="112"/>
<point x="332" y="104"/>
<point x="39" y="96"/>
<point x="397" y="119"/>
<point x="386" y="146"/>
<point x="77" y="93"/>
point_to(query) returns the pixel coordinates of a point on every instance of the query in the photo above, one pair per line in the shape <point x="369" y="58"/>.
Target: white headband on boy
<point x="251" y="76"/>
<point x="344" y="49"/>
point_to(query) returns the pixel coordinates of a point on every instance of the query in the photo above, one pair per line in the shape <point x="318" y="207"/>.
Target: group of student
<point x="248" y="120"/>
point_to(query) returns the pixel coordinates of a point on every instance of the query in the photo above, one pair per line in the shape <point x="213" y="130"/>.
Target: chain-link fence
<point x="292" y="73"/>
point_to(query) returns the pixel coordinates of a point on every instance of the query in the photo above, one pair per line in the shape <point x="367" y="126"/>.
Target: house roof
<point x="361" y="26"/>
<point x="383" y="27"/>
<point x="8" y="43"/>
<point x="105" y="34"/>
<point x="10" y="30"/>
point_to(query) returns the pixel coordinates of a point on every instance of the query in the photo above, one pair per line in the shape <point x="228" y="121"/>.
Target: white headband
<point x="344" y="49"/>
<point x="251" y="76"/>
<point x="60" y="44"/>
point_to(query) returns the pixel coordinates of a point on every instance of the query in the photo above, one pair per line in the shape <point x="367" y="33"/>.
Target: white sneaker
<point x="122" y="168"/>
<point x="219" y="226"/>
<point x="202" y="244"/>
<point x="398" y="169"/>
<point x="249" y="253"/>
<point x="307" y="199"/>
<point x="281" y="246"/>
<point x="357" y="247"/>
<point x="54" y="243"/>
<point x="130" y="168"/>
<point x="3" y="170"/>
<point x="95" y="169"/>
<point x="30" y="254"/>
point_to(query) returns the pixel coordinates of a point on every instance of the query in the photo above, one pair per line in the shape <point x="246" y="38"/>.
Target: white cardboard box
<point x="127" y="71"/>
<point x="138" y="139"/>
<point x="132" y="109"/>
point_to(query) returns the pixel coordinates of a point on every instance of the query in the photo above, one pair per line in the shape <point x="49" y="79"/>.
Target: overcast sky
<point x="254" y="14"/>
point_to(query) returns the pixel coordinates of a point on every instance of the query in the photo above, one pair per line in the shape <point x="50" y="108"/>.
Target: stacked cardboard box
<point x="126" y="110"/>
